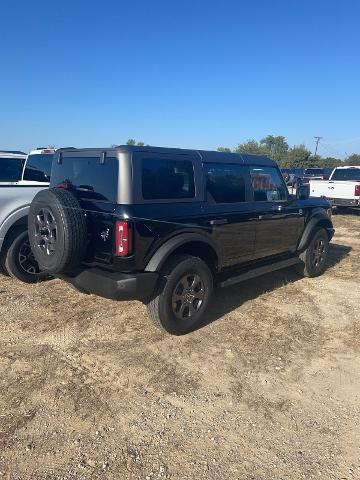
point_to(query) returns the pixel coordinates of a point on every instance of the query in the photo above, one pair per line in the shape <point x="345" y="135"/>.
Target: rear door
<point x="94" y="183"/>
<point x="278" y="219"/>
<point x="227" y="211"/>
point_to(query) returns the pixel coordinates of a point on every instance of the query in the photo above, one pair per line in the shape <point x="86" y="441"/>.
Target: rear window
<point x="346" y="174"/>
<point x="38" y="167"/>
<point x="164" y="179"/>
<point x="87" y="178"/>
<point x="11" y="169"/>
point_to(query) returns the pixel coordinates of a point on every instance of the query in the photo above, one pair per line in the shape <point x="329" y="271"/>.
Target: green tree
<point x="331" y="162"/>
<point x="131" y="141"/>
<point x="314" y="161"/>
<point x="297" y="157"/>
<point x="252" y="147"/>
<point x="276" y="146"/>
<point x="224" y="149"/>
<point x="354" y="159"/>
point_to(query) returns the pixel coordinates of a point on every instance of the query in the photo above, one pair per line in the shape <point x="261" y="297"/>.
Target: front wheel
<point x="313" y="259"/>
<point x="182" y="295"/>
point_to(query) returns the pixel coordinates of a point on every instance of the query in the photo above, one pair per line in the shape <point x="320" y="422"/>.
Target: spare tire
<point x="57" y="230"/>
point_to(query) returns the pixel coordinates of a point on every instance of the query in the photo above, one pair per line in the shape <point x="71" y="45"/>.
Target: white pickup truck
<point x="21" y="177"/>
<point x="342" y="189"/>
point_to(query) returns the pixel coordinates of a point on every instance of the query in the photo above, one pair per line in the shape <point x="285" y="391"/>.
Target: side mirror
<point x="303" y="192"/>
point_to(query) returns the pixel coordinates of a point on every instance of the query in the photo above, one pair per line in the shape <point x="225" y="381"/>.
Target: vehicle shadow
<point x="354" y="212"/>
<point x="228" y="299"/>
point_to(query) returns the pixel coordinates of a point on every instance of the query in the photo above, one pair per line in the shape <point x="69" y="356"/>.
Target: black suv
<point x="166" y="225"/>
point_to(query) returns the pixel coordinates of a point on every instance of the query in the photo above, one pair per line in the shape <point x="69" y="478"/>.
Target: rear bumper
<point x="113" y="285"/>
<point x="344" y="202"/>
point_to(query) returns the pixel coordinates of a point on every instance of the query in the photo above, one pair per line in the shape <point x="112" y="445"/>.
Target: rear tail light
<point x="123" y="238"/>
<point x="357" y="190"/>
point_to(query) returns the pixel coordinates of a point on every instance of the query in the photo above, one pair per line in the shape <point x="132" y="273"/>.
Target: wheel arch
<point x="190" y="243"/>
<point x="15" y="222"/>
<point x="319" y="220"/>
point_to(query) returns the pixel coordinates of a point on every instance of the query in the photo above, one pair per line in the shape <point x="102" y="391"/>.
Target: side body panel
<point x="14" y="204"/>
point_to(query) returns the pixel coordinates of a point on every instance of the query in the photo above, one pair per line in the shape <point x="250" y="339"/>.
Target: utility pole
<point x="317" y="140"/>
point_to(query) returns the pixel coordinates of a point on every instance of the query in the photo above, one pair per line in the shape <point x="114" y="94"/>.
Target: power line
<point x="317" y="140"/>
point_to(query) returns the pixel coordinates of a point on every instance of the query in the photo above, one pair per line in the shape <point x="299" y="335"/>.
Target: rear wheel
<point x="313" y="259"/>
<point x="182" y="295"/>
<point x="19" y="259"/>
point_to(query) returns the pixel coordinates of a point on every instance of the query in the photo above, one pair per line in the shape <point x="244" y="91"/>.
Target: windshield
<point x="346" y="174"/>
<point x="11" y="169"/>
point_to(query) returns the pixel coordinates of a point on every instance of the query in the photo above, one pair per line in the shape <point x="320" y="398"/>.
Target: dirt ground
<point x="268" y="389"/>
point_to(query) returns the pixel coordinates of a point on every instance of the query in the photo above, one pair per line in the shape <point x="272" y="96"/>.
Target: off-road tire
<point x="69" y="247"/>
<point x="3" y="270"/>
<point x="13" y="265"/>
<point x="308" y="267"/>
<point x="160" y="306"/>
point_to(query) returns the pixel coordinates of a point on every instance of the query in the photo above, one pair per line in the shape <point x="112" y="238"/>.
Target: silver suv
<point x="21" y="178"/>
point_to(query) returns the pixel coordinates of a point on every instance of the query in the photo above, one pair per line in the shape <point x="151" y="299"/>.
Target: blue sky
<point x="185" y="73"/>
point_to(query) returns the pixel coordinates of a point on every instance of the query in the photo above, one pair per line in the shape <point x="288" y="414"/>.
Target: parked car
<point x="167" y="225"/>
<point x="313" y="174"/>
<point x="21" y="178"/>
<point x="342" y="189"/>
<point x="291" y="177"/>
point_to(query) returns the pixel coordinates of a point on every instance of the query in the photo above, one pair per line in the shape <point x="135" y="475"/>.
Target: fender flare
<point x="162" y="254"/>
<point x="319" y="217"/>
<point x="11" y="220"/>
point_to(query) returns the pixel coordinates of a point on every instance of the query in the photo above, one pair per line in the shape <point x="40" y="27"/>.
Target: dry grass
<point x="268" y="389"/>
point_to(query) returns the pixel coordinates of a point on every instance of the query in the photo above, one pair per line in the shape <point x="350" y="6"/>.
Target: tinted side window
<point x="226" y="182"/>
<point x="87" y="178"/>
<point x="167" y="179"/>
<point x="267" y="184"/>
<point x="10" y="169"/>
<point x="38" y="168"/>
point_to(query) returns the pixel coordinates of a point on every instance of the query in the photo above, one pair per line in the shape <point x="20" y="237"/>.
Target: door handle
<point x="218" y="221"/>
<point x="267" y="216"/>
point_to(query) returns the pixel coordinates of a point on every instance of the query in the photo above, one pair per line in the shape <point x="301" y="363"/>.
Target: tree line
<point x="298" y="156"/>
<point x="277" y="148"/>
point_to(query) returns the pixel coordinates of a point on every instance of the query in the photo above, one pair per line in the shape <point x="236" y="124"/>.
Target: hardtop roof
<point x="205" y="155"/>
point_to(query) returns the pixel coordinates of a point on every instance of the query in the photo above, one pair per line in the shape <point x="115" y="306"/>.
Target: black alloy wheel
<point x="318" y="252"/>
<point x="46" y="232"/>
<point x="27" y="260"/>
<point x="188" y="296"/>
<point x="182" y="295"/>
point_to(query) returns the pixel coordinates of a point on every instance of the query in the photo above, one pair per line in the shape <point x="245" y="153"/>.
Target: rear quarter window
<point x="87" y="178"/>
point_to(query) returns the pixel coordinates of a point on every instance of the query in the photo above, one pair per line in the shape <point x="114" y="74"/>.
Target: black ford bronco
<point x="167" y="225"/>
